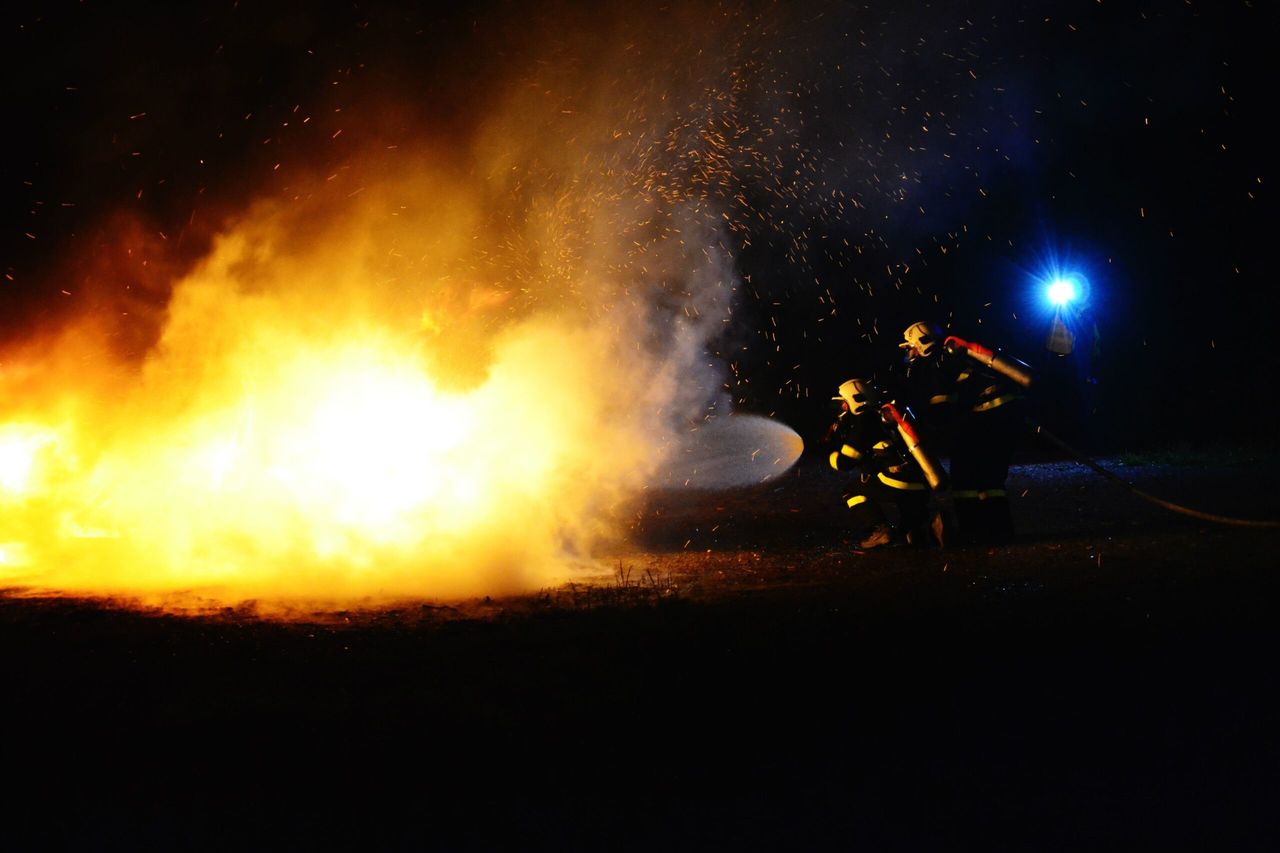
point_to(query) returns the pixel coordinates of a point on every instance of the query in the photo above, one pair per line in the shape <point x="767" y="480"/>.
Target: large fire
<point x="412" y="374"/>
<point x="297" y="433"/>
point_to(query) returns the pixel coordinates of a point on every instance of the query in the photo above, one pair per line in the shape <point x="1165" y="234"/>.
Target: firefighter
<point x="970" y="401"/>
<point x="886" y="476"/>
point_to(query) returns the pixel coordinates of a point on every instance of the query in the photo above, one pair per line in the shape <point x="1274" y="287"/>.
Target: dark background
<point x="1122" y="140"/>
<point x="1038" y="698"/>
<point x="1104" y="683"/>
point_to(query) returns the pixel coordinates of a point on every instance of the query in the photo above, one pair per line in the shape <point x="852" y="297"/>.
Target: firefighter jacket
<point x="863" y="443"/>
<point x="974" y="413"/>
<point x="947" y="388"/>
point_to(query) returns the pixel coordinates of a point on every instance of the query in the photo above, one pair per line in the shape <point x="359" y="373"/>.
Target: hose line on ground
<point x="1169" y="505"/>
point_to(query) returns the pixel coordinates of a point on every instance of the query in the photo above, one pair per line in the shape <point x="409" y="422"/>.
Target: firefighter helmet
<point x="920" y="340"/>
<point x="858" y="394"/>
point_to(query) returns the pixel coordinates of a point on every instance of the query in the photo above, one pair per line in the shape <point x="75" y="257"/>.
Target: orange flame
<point x="435" y="382"/>
<point x="295" y="436"/>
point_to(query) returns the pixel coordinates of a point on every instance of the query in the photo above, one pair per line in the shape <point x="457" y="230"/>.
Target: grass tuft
<point x="628" y="589"/>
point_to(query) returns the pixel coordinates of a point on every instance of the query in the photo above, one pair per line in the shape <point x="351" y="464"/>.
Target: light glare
<point x="1062" y="291"/>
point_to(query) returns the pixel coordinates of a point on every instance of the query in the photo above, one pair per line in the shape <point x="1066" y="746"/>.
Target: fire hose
<point x="1169" y="505"/>
<point x="932" y="471"/>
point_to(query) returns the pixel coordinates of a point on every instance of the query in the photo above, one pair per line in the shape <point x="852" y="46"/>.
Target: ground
<point x="740" y="676"/>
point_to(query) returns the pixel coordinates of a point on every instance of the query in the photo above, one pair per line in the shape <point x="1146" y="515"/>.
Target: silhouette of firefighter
<point x="970" y="402"/>
<point x="889" y="491"/>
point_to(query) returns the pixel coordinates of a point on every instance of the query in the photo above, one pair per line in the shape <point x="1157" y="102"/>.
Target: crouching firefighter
<point x="972" y="397"/>
<point x="889" y="494"/>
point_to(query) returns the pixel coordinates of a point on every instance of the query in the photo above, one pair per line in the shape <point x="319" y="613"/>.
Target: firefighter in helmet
<point x="885" y="475"/>
<point x="970" y="400"/>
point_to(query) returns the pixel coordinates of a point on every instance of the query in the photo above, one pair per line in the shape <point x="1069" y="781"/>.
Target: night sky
<point x="895" y="161"/>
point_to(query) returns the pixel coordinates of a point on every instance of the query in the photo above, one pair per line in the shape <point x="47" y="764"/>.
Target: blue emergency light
<point x="1063" y="290"/>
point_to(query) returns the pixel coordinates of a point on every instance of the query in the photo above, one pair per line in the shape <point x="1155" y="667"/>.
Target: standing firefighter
<point x="867" y="442"/>
<point x="970" y="399"/>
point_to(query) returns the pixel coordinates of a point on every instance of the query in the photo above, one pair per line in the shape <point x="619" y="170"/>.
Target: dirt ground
<point x="742" y="678"/>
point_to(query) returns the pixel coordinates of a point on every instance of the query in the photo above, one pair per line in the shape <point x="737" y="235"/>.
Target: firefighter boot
<point x="930" y="531"/>
<point x="880" y="535"/>
<point x="938" y="529"/>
